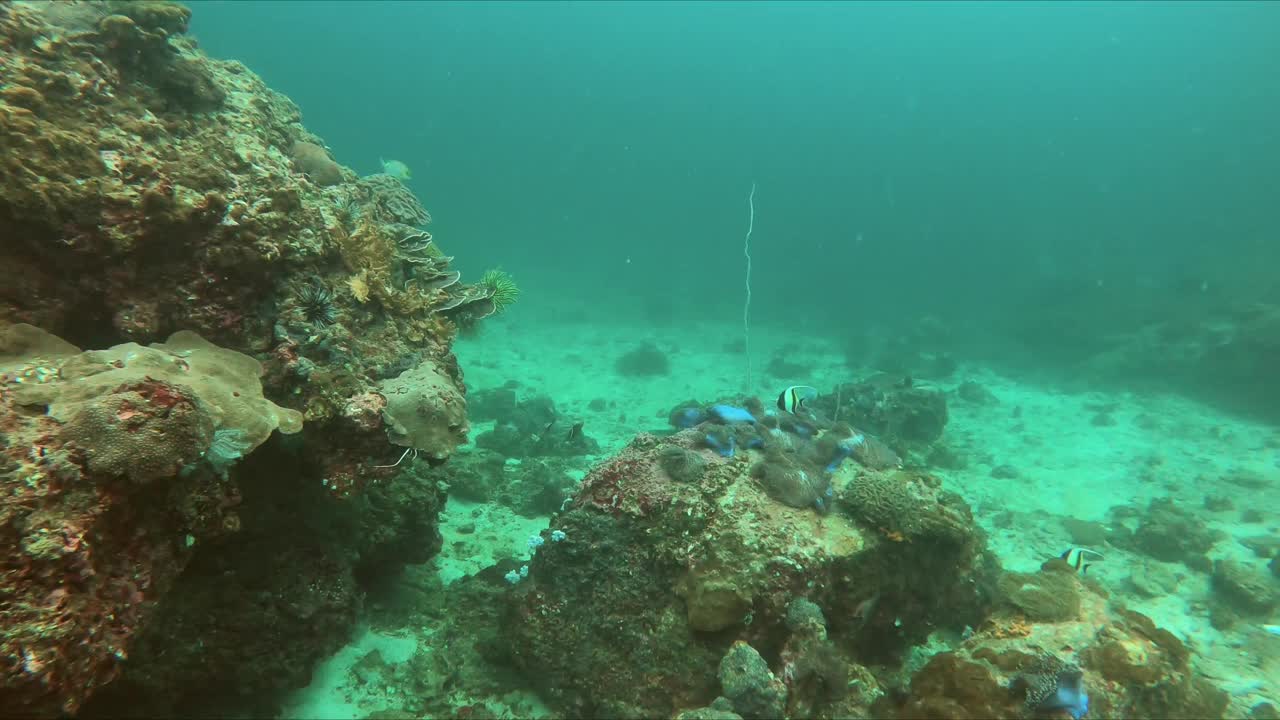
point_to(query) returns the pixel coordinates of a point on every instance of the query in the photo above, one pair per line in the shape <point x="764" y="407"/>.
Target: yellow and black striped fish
<point x="1081" y="558"/>
<point x="792" y="399"/>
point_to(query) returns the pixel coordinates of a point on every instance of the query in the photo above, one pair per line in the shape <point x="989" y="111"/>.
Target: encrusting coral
<point x="101" y="461"/>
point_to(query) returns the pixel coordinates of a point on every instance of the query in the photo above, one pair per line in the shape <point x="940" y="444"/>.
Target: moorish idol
<point x="792" y="399"/>
<point x="1081" y="558"/>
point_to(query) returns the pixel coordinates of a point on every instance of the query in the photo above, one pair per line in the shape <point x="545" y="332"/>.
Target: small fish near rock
<point x="395" y="169"/>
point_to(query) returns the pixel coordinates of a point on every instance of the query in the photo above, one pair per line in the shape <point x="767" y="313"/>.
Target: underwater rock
<point x="946" y="457"/>
<point x="1243" y="589"/>
<point x="537" y="490"/>
<point x="781" y="367"/>
<point x="531" y="427"/>
<point x="163" y="182"/>
<point x="1152" y="670"/>
<point x="75" y="425"/>
<point x="506" y="440"/>
<point x="748" y="684"/>
<point x="644" y="361"/>
<point x="492" y="404"/>
<point x="1050" y="595"/>
<point x="1153" y="579"/>
<point x="713" y="602"/>
<point x="813" y="669"/>
<point x="1005" y="472"/>
<point x="670" y="571"/>
<point x="475" y="476"/>
<point x="719" y="709"/>
<point x="949" y="686"/>
<point x="1110" y="662"/>
<point x="1264" y="546"/>
<point x="1086" y="532"/>
<point x="425" y="412"/>
<point x="904" y="415"/>
<point x="314" y="162"/>
<point x="682" y="465"/>
<point x="975" y="394"/>
<point x="1218" y="503"/>
<point x="1169" y="533"/>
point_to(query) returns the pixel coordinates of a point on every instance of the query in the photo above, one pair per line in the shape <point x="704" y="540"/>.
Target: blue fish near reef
<point x="730" y="415"/>
<point x="725" y="447"/>
<point x="844" y="450"/>
<point x="687" y="418"/>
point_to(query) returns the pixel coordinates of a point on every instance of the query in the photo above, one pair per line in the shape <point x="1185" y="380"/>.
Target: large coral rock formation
<point x="657" y="577"/>
<point x="147" y="190"/>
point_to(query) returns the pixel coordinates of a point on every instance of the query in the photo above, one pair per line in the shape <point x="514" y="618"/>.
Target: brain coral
<point x="904" y="503"/>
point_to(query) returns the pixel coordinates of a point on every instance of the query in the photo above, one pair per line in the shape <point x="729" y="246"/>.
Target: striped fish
<point x="792" y="399"/>
<point x="1081" y="558"/>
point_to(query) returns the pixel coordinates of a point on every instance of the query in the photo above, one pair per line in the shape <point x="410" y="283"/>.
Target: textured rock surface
<point x="148" y="190"/>
<point x="657" y="578"/>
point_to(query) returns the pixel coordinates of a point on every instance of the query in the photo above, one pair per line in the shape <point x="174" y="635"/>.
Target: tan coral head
<point x="425" y="411"/>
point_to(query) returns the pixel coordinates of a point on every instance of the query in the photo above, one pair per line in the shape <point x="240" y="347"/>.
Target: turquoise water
<point x="968" y="160"/>
<point x="1018" y="258"/>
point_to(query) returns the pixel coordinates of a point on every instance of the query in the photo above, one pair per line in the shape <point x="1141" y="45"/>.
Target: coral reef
<point x="150" y="192"/>
<point x="748" y="684"/>
<point x="906" y="415"/>
<point x="531" y="427"/>
<point x="674" y="571"/>
<point x="1109" y="662"/>
<point x="425" y="412"/>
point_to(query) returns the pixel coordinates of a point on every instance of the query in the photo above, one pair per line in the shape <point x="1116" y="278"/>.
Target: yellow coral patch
<point x="359" y="286"/>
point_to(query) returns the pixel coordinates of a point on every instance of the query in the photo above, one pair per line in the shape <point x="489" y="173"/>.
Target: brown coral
<point x="1050" y="595"/>
<point x="315" y="163"/>
<point x="905" y="504"/>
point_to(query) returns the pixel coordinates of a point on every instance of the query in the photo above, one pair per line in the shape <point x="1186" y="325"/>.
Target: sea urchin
<point x="316" y="302"/>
